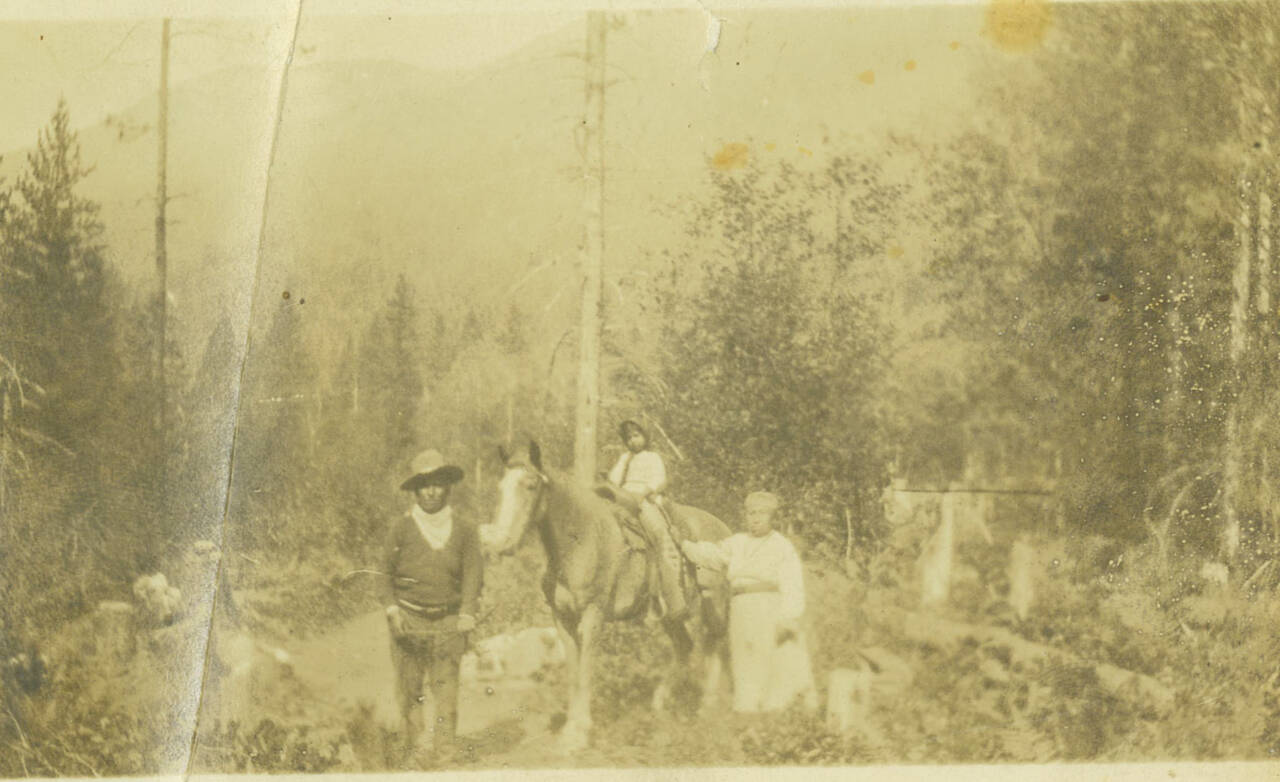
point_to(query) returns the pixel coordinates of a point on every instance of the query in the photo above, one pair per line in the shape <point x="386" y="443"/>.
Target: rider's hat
<point x="628" y="425"/>
<point x="429" y="469"/>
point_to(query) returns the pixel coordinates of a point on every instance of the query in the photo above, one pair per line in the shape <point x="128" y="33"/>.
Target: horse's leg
<point x="566" y="628"/>
<point x="715" y="660"/>
<point x="715" y="641"/>
<point x="683" y="645"/>
<point x="577" y="727"/>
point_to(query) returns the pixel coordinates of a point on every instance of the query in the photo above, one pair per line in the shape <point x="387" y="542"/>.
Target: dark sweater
<point x="450" y="576"/>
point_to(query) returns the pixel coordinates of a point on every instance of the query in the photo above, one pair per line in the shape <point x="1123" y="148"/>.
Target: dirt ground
<point x="979" y="693"/>
<point x="340" y="684"/>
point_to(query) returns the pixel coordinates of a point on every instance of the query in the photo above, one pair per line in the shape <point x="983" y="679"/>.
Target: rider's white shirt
<point x="639" y="473"/>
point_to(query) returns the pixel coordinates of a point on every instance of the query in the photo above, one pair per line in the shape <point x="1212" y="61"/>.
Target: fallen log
<point x="925" y="629"/>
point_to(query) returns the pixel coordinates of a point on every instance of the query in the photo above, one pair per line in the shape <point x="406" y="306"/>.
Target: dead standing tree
<point x="1248" y="58"/>
<point x="588" y="401"/>
<point x="162" y="252"/>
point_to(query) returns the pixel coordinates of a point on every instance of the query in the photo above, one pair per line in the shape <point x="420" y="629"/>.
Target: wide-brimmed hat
<point x="429" y="469"/>
<point x="630" y="424"/>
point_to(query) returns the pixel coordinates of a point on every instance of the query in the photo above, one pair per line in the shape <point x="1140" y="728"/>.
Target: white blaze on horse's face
<point x="517" y="494"/>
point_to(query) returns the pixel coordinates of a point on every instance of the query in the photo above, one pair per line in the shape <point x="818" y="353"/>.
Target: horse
<point x="594" y="576"/>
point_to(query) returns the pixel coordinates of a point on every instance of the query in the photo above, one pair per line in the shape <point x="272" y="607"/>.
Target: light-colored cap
<point x="762" y="500"/>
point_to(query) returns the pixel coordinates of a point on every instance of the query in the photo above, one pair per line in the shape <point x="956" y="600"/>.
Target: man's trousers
<point x="430" y="649"/>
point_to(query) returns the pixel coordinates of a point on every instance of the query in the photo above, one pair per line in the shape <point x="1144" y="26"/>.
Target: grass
<point x="1213" y="646"/>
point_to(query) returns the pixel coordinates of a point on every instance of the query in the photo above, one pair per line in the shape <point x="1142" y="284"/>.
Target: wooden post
<point x="848" y="699"/>
<point x="588" y="400"/>
<point x="935" y="561"/>
<point x="1021" y="585"/>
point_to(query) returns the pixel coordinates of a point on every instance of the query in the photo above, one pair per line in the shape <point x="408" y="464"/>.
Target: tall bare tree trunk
<point x="1266" y="325"/>
<point x="1264" y="256"/>
<point x="1234" y="456"/>
<point x="511" y="412"/>
<point x="4" y="446"/>
<point x="588" y="401"/>
<point x="355" y="387"/>
<point x="162" y="254"/>
<point x="161" y="202"/>
<point x="1173" y="407"/>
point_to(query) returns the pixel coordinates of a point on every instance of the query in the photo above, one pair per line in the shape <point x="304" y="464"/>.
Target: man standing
<point x="641" y="473"/>
<point x="433" y="566"/>
<point x="767" y="649"/>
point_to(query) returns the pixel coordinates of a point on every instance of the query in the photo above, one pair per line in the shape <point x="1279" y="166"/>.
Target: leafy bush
<point x="269" y="747"/>
<point x="799" y="737"/>
<point x="773" y="354"/>
<point x="72" y="728"/>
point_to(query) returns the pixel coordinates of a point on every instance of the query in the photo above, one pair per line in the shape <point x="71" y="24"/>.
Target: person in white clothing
<point x="641" y="473"/>
<point x="768" y="653"/>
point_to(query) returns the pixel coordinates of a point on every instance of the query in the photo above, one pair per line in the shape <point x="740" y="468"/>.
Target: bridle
<point x="540" y="495"/>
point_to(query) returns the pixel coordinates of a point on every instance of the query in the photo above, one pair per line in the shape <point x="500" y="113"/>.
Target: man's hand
<point x="786" y="631"/>
<point x="466" y="623"/>
<point x="395" y="620"/>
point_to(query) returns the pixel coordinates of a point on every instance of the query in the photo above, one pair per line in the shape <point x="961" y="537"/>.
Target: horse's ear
<point x="535" y="454"/>
<point x="502" y="454"/>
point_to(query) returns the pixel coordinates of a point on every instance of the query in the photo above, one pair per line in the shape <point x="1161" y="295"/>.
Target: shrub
<point x="269" y="747"/>
<point x="799" y="737"/>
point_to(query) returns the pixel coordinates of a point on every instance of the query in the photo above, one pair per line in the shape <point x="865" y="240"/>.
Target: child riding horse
<point x="593" y="576"/>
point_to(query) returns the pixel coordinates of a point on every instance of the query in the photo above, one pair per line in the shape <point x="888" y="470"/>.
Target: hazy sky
<point x="104" y="66"/>
<point x="788" y="87"/>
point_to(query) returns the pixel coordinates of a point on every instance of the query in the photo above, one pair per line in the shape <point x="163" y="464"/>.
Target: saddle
<point x="617" y="496"/>
<point x="626" y="511"/>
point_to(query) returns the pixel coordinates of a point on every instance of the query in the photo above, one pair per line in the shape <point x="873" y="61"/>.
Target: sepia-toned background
<point x="983" y="292"/>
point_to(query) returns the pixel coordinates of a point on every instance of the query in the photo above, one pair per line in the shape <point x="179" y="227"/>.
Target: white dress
<point x="768" y="585"/>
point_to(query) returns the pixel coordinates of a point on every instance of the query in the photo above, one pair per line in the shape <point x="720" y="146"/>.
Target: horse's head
<point x="519" y="496"/>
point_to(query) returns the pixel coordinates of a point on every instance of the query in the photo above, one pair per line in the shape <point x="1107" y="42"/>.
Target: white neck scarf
<point x="435" y="527"/>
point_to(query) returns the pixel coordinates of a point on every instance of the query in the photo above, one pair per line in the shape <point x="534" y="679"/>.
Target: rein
<point x="540" y="500"/>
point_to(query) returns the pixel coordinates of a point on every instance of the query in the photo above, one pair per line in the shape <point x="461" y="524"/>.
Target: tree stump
<point x="848" y="699"/>
<point x="158" y="602"/>
<point x="888" y="673"/>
